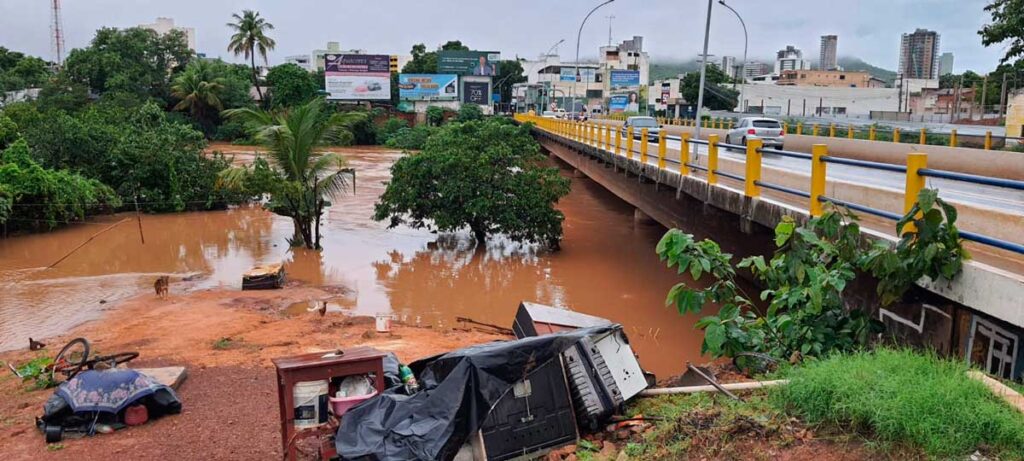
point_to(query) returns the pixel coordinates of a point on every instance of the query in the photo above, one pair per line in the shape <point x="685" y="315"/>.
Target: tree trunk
<point x="297" y="234"/>
<point x="255" y="78"/>
<point x="479" y="233"/>
<point x="316" y="223"/>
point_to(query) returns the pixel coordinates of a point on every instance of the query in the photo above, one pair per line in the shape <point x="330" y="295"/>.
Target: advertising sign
<point x="618" y="103"/>
<point x="484" y="63"/>
<point x="357" y="76"/>
<point x="625" y="80"/>
<point x="475" y="92"/>
<point x="568" y="74"/>
<point x="432" y="87"/>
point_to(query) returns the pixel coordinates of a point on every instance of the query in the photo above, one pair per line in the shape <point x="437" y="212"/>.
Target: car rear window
<point x="645" y="122"/>
<point x="766" y="124"/>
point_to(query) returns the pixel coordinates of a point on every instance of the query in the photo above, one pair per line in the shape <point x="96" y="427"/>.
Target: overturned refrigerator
<point x="506" y="399"/>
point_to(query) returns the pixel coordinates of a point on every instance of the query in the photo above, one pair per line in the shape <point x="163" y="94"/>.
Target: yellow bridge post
<point x="818" y="152"/>
<point x="643" y="146"/>
<point x="849" y="132"/>
<point x="684" y="154"/>
<point x="751" y="189"/>
<point x="785" y="127"/>
<point x="799" y="127"/>
<point x="629" y="144"/>
<point x="712" y="159"/>
<point x="871" y="133"/>
<point x="988" y="140"/>
<point x="952" y="138"/>
<point x="608" y="137"/>
<point x="730" y="125"/>
<point x="895" y="135"/>
<point x="661" y="150"/>
<point x="831" y="130"/>
<point x="618" y="141"/>
<point x="923" y="137"/>
<point x="915" y="182"/>
<point x="814" y="130"/>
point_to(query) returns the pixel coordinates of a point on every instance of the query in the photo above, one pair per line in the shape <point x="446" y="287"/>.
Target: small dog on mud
<point x="161" y="286"/>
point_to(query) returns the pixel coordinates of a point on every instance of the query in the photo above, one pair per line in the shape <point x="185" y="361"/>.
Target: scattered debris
<point x="265" y="277"/>
<point x="34" y="345"/>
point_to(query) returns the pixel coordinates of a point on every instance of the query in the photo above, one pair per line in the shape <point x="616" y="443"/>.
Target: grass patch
<point x="223" y="344"/>
<point x="901" y="397"/>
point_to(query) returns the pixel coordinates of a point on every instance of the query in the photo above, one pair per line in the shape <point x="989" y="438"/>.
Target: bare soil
<point x="230" y="396"/>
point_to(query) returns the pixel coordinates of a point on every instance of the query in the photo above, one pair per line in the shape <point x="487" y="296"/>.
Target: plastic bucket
<point x="310" y="403"/>
<point x="339" y="405"/>
<point x="383" y="323"/>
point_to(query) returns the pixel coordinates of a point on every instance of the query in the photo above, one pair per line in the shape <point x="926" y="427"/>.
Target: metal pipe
<point x="743" y="65"/>
<point x="579" y="34"/>
<point x="703" y="70"/>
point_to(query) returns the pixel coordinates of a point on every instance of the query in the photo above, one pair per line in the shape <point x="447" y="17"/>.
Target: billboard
<point x="476" y="90"/>
<point x="357" y="76"/>
<point x="568" y="74"/>
<point x="433" y="87"/>
<point x="618" y="103"/>
<point x="624" y="80"/>
<point x="483" y="63"/>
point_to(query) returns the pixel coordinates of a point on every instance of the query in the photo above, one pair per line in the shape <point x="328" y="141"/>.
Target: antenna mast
<point x="57" y="35"/>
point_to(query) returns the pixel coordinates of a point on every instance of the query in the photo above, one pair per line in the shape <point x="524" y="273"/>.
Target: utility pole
<point x="610" y="17"/>
<point x="703" y="73"/>
<point x="1002" y="96"/>
<point x="984" y="96"/>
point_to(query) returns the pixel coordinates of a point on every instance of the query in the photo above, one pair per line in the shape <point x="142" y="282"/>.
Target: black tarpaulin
<point x="458" y="389"/>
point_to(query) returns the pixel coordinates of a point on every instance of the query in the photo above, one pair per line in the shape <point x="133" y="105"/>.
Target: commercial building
<point x="945" y="64"/>
<point x="832" y="78"/>
<point x="164" y="25"/>
<point x="827" y="59"/>
<point x="332" y="48"/>
<point x="789" y="100"/>
<point x="753" y="69"/>
<point x="729" y="66"/>
<point x="301" y="60"/>
<point x="919" y="55"/>
<point x="790" y="58"/>
<point x="1015" y="116"/>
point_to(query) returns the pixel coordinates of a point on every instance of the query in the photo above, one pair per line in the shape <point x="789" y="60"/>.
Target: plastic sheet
<point x="458" y="389"/>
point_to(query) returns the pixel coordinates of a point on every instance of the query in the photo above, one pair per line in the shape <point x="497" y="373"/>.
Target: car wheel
<point x="743" y="141"/>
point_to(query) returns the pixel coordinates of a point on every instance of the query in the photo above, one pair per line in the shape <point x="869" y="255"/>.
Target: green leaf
<point x="714" y="338"/>
<point x="926" y="198"/>
<point x="783" y="231"/>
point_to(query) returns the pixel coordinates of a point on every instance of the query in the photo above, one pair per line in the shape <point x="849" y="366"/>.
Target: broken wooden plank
<point x="171" y="377"/>
<point x="1007" y="393"/>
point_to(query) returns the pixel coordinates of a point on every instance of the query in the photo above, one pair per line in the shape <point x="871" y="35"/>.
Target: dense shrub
<point x="410" y="138"/>
<point x="388" y="129"/>
<point x="469" y="112"/>
<point x="34" y="198"/>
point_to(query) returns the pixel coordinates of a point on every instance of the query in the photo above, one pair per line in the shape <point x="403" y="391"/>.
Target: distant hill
<point x="665" y="69"/>
<point x="853" y="64"/>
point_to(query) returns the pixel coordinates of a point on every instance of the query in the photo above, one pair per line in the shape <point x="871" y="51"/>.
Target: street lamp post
<point x="743" y="65"/>
<point x="703" y="73"/>
<point x="498" y="85"/>
<point x="572" y="91"/>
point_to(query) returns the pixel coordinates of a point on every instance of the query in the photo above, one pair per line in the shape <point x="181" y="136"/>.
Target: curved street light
<point x="743" y="65"/>
<point x="572" y="91"/>
<point x="498" y="85"/>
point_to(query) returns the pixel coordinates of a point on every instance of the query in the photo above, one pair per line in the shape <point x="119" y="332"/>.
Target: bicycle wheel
<point x="114" y="359"/>
<point x="70" y="360"/>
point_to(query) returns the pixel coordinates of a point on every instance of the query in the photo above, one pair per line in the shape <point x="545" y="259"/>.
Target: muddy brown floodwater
<point x="607" y="267"/>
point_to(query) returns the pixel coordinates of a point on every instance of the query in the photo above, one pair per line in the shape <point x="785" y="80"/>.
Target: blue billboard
<point x="568" y="74"/>
<point x="617" y="103"/>
<point x="428" y="87"/>
<point x="624" y="80"/>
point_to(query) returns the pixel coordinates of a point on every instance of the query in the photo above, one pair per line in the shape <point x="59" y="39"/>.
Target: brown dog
<point x="161" y="286"/>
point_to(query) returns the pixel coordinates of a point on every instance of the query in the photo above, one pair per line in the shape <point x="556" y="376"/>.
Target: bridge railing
<point x="915" y="171"/>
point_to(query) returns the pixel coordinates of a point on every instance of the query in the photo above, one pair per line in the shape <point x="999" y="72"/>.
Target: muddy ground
<point x="230" y="396"/>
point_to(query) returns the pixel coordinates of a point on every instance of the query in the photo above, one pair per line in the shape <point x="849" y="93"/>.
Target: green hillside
<point x="858" y="65"/>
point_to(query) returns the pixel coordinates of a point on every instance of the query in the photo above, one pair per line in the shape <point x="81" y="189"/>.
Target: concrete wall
<point x="804" y="100"/>
<point x="1015" y="116"/>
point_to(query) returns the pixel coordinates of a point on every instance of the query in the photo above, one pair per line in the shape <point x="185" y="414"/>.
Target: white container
<point x="310" y="403"/>
<point x="383" y="323"/>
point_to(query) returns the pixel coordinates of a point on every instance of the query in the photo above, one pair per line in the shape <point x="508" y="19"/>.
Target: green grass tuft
<point x="902" y="397"/>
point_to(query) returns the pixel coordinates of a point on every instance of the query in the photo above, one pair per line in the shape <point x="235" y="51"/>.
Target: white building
<point x="729" y="66"/>
<point x="827" y="59"/>
<point x="301" y="60"/>
<point x="790" y="58"/>
<point x="164" y="25"/>
<point x="784" y="100"/>
<point x="753" y="69"/>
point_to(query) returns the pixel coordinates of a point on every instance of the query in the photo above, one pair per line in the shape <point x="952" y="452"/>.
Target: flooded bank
<point x="607" y="267"/>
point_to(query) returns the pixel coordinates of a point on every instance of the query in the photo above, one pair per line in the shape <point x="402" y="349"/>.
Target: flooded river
<point x="607" y="267"/>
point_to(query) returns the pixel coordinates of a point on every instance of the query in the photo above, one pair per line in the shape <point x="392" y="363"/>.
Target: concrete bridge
<point x="736" y="195"/>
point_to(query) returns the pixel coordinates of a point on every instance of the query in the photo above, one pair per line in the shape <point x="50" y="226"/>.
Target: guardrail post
<point x="643" y="146"/>
<point x="730" y="125"/>
<point x="661" y="150"/>
<point x="952" y="137"/>
<point x="799" y="127"/>
<point x="849" y="132"/>
<point x="712" y="159"/>
<point x="895" y="135"/>
<point x="818" y="151"/>
<point x="871" y="133"/>
<point x="924" y="137"/>
<point x="684" y="154"/>
<point x="785" y="127"/>
<point x="629" y="144"/>
<point x="814" y="129"/>
<point x="915" y="182"/>
<point x="608" y="137"/>
<point x="988" y="140"/>
<point x="831" y="130"/>
<point x="751" y="189"/>
<point x="618" y="141"/>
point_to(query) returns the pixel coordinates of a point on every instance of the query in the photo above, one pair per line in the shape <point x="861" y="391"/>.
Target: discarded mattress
<point x="264" y="277"/>
<point x="458" y="391"/>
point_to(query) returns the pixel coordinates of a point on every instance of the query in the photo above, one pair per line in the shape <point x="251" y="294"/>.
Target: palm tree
<point x="299" y="178"/>
<point x="250" y="39"/>
<point x="199" y="91"/>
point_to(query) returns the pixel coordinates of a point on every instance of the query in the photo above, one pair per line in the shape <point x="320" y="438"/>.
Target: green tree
<point x="136" y="60"/>
<point x="425" y="62"/>
<point x="198" y="91"/>
<point x="62" y="94"/>
<point x="1007" y="26"/>
<point x="469" y="113"/>
<point x="510" y="72"/>
<point x="300" y="178"/>
<point x="716" y="95"/>
<point x="487" y="176"/>
<point x="291" y="85"/>
<point x="249" y="39"/>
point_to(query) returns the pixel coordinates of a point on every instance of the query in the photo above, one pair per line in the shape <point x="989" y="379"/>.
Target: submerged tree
<point x="250" y="38"/>
<point x="485" y="175"/>
<point x="299" y="178"/>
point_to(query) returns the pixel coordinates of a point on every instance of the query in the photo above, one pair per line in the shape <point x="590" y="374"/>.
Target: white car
<point x="768" y="130"/>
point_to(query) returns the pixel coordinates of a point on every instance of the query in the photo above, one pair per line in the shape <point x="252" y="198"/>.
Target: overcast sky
<point x="869" y="29"/>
